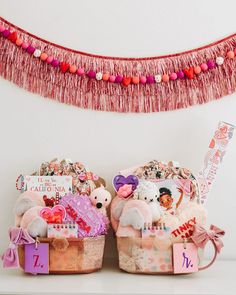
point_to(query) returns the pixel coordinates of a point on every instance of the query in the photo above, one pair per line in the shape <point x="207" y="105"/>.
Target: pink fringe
<point x="38" y="77"/>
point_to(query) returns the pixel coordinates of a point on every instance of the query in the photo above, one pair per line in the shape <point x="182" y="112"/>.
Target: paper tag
<point x="185" y="258"/>
<point x="37" y="258"/>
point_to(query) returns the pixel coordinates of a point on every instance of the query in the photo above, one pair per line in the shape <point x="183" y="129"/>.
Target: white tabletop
<point x="219" y="279"/>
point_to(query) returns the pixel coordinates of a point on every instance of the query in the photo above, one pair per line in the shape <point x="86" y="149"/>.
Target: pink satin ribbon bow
<point x="18" y="236"/>
<point x="201" y="236"/>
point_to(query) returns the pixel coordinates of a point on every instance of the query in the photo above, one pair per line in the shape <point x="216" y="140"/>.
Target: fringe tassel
<point x="36" y="76"/>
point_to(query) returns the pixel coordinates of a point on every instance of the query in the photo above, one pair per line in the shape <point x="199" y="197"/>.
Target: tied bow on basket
<point x="18" y="236"/>
<point x="201" y="236"/>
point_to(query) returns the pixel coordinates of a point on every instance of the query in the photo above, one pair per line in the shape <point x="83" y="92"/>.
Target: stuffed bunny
<point x="27" y="208"/>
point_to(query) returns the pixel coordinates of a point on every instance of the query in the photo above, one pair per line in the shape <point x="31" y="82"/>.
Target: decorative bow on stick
<point x="201" y="236"/>
<point x="18" y="236"/>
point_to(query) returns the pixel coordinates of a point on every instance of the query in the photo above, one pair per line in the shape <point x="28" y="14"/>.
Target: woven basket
<point x="149" y="255"/>
<point x="74" y="255"/>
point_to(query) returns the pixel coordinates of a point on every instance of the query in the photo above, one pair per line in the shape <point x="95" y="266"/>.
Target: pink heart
<point x="53" y="215"/>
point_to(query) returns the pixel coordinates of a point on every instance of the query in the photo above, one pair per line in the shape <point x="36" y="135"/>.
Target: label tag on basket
<point x="185" y="258"/>
<point x="37" y="258"/>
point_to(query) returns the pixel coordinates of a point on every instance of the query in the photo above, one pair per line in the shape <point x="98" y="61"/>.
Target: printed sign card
<point x="185" y="258"/>
<point x="51" y="186"/>
<point x="37" y="258"/>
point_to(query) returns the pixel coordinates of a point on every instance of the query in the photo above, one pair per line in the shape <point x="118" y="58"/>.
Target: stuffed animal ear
<point x="100" y="182"/>
<point x="132" y="217"/>
<point x="22" y="206"/>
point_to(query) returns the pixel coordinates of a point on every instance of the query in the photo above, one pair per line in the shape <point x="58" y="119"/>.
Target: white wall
<point x="34" y="129"/>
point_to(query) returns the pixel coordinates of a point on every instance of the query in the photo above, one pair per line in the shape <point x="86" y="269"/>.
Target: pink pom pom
<point x="112" y="78"/>
<point x="143" y="79"/>
<point x="180" y="75"/>
<point x="91" y="74"/>
<point x="80" y="71"/>
<point x="119" y="79"/>
<point x="30" y="49"/>
<point x="25" y="45"/>
<point x="150" y="79"/>
<point x="204" y="67"/>
<point x="173" y="76"/>
<point x="55" y="63"/>
<point x="6" y="33"/>
<point x="211" y="64"/>
<point x="2" y="28"/>
<point x="49" y="59"/>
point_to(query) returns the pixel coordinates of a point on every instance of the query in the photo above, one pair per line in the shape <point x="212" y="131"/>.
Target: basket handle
<point x="212" y="260"/>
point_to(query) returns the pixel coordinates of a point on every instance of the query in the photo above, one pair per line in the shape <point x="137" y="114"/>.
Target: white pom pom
<point x="99" y="76"/>
<point x="37" y="53"/>
<point x="219" y="60"/>
<point x="157" y="78"/>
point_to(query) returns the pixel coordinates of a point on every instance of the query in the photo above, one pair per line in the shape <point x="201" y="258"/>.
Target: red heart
<point x="189" y="73"/>
<point x="53" y="215"/>
<point x="126" y="81"/>
<point x="12" y="37"/>
<point x="64" y="67"/>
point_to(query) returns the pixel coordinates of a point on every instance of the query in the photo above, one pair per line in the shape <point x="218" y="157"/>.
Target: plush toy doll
<point x="100" y="198"/>
<point x="24" y="202"/>
<point x="148" y="192"/>
<point x="135" y="214"/>
<point x="35" y="225"/>
<point x="27" y="208"/>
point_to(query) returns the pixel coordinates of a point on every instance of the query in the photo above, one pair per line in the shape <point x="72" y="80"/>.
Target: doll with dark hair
<point x="166" y="200"/>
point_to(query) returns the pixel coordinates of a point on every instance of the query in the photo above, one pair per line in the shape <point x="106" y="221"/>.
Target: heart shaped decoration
<point x="53" y="215"/>
<point x="120" y="180"/>
<point x="189" y="72"/>
<point x="64" y="67"/>
<point x="126" y="81"/>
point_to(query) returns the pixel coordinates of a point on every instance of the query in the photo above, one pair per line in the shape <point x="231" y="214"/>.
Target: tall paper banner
<point x="214" y="157"/>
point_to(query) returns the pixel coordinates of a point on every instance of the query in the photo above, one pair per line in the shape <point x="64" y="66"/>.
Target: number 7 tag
<point x="37" y="258"/>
